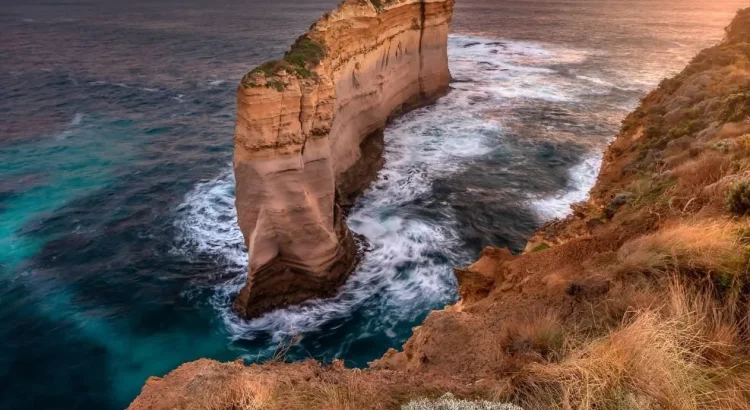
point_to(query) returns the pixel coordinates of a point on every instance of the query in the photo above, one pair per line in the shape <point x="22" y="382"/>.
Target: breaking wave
<point x="582" y="178"/>
<point x="414" y="241"/>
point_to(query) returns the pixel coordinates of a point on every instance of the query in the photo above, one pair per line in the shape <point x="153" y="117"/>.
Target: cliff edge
<point x="308" y="139"/>
<point x="640" y="300"/>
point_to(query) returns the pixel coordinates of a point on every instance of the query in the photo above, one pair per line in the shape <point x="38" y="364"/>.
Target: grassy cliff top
<point x="698" y="114"/>
<point x="300" y="61"/>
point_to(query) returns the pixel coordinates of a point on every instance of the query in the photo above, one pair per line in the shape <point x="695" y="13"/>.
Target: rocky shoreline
<point x="638" y="300"/>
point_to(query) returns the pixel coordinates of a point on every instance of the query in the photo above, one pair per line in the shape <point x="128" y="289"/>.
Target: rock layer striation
<point x="308" y="139"/>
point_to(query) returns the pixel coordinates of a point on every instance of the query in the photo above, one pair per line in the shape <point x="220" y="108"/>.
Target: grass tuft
<point x="540" y="335"/>
<point x="702" y="171"/>
<point x="663" y="357"/>
<point x="708" y="248"/>
<point x="648" y="191"/>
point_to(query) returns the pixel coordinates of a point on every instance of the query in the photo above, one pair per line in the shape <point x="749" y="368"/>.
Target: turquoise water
<point x="119" y="250"/>
<point x="55" y="171"/>
<point x="46" y="225"/>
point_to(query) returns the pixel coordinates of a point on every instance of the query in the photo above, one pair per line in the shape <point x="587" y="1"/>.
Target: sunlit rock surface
<point x="309" y="139"/>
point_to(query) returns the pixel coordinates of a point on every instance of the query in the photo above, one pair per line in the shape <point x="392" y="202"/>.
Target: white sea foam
<point x="595" y="80"/>
<point x="408" y="268"/>
<point x="582" y="178"/>
<point x="209" y="221"/>
<point x="511" y="70"/>
<point x="77" y="118"/>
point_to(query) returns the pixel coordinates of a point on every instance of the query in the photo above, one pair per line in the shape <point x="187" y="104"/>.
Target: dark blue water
<point x="119" y="252"/>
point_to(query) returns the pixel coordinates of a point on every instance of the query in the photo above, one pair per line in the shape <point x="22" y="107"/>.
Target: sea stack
<point x="309" y="139"/>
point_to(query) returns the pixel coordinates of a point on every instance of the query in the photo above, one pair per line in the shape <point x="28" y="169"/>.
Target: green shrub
<point x="738" y="199"/>
<point x="723" y="145"/>
<point x="653" y="131"/>
<point x="305" y="54"/>
<point x="736" y="107"/>
<point x="248" y="82"/>
<point x="724" y="282"/>
<point x="269" y="68"/>
<point x="739" y="30"/>
<point x="649" y="191"/>
<point x="540" y="247"/>
<point x="688" y="128"/>
<point x="276" y="85"/>
<point x="616" y="203"/>
<point x="632" y="120"/>
<point x="670" y="85"/>
<point x="714" y="57"/>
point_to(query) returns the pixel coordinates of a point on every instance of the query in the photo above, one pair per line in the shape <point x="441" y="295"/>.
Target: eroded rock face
<point x="309" y="139"/>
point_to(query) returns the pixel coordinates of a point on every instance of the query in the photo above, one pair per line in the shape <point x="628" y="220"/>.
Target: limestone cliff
<point x="639" y="300"/>
<point x="309" y="139"/>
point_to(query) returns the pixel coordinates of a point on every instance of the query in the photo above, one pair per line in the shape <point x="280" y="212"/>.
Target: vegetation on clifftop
<point x="691" y="132"/>
<point x="300" y="61"/>
<point x="671" y="329"/>
<point x="379" y="4"/>
<point x="739" y="30"/>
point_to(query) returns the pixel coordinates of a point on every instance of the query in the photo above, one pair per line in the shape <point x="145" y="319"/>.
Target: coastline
<point x="643" y="260"/>
<point x="309" y="139"/>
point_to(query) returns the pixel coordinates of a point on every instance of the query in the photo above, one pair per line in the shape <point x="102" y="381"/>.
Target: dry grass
<point x="702" y="171"/>
<point x="712" y="248"/>
<point x="210" y="385"/>
<point x="686" y="350"/>
<point x="347" y="391"/>
<point x="538" y="335"/>
<point x="255" y="393"/>
<point x="232" y="392"/>
<point x="665" y="357"/>
<point x="333" y="388"/>
<point x="248" y="396"/>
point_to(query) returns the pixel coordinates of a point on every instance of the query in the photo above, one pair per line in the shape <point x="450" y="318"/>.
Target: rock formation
<point x="638" y="300"/>
<point x="309" y="139"/>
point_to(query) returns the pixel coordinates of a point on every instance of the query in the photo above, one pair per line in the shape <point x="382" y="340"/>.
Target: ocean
<point x="119" y="249"/>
